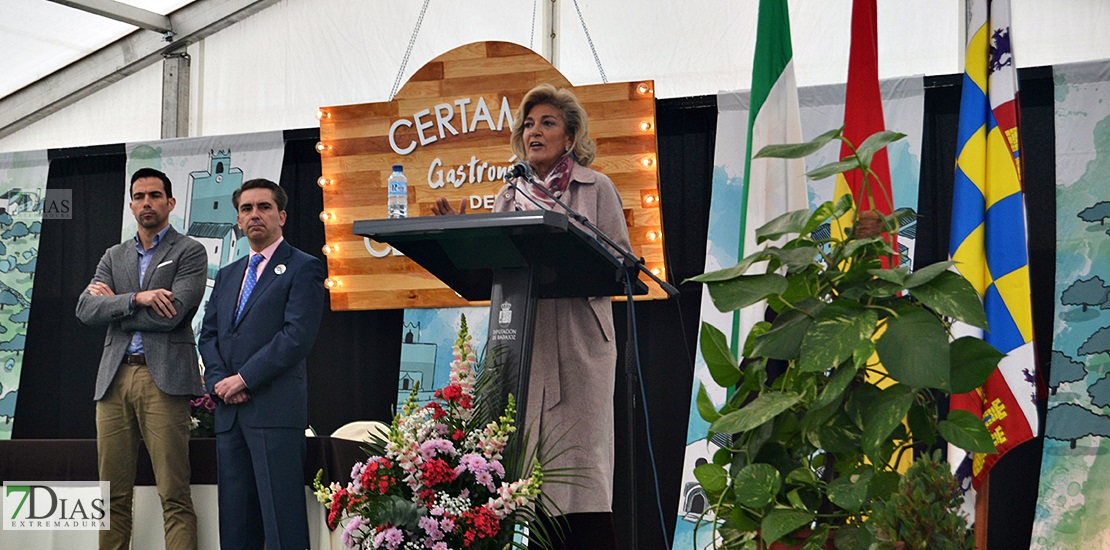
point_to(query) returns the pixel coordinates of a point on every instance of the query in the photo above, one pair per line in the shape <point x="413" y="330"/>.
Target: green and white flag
<point x="771" y="186"/>
<point x="768" y="188"/>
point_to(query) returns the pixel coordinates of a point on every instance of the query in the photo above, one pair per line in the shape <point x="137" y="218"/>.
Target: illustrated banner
<point x="426" y="348"/>
<point x="822" y="109"/>
<point x="23" y="202"/>
<point x="205" y="172"/>
<point x="1075" y="467"/>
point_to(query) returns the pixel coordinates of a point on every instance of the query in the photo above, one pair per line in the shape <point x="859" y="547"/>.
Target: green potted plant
<point x="921" y="514"/>
<point x="868" y="353"/>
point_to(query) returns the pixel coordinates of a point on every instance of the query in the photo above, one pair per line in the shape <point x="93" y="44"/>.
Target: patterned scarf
<point x="556" y="182"/>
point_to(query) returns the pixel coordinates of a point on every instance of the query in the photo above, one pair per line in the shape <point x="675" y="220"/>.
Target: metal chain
<point x="408" y="51"/>
<point x="532" y="37"/>
<point x="591" y="42"/>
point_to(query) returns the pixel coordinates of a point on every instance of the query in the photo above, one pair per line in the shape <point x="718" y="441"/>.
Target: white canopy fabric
<point x="273" y="69"/>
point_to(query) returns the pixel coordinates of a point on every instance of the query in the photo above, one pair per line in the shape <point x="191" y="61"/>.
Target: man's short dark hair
<point x="280" y="196"/>
<point x="151" y="173"/>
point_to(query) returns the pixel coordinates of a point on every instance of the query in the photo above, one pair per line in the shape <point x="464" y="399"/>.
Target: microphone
<point x="524" y="171"/>
<point x="520" y="170"/>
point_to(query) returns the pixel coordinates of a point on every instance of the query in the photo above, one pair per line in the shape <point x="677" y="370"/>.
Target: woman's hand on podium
<point x="442" y="207"/>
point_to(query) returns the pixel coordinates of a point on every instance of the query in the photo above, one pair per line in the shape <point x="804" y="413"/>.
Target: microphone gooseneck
<point x="630" y="261"/>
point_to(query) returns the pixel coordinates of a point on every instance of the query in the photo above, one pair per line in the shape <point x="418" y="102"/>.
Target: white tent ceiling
<point x="39" y="37"/>
<point x="277" y="60"/>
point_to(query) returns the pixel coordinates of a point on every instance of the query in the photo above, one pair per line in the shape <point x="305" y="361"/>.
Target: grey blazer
<point x="179" y="264"/>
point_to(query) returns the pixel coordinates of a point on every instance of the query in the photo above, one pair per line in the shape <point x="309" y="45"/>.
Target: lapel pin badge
<point x="279" y="269"/>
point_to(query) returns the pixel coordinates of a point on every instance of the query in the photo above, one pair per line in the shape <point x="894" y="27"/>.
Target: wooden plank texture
<point x="449" y="127"/>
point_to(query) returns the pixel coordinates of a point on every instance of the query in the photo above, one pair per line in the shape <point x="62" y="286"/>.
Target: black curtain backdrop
<point x="354" y="366"/>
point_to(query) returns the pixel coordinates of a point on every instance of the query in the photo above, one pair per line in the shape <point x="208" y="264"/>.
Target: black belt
<point x="134" y="359"/>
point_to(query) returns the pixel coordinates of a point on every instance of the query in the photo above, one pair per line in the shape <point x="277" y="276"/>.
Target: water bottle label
<point x="398" y="188"/>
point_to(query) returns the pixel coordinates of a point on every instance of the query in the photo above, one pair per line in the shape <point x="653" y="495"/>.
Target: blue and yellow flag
<point x="989" y="239"/>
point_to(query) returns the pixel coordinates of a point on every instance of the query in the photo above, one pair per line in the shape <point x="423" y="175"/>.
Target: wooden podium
<point x="511" y="259"/>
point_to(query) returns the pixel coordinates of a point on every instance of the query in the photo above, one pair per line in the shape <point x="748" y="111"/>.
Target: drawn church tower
<point x="211" y="214"/>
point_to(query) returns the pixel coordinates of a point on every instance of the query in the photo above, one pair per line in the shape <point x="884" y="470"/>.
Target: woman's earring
<point x="566" y="149"/>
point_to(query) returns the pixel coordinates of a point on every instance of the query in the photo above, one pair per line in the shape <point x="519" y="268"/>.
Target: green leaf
<point x="742" y="521"/>
<point x="850" y="492"/>
<point x="729" y="273"/>
<point x="802" y="475"/>
<point x="797" y="150"/>
<point x="820" y="215"/>
<point x="874" y="143"/>
<point x="883" y="484"/>
<point x="395" y="510"/>
<point x="785" y="337"/>
<point x="838" y="436"/>
<point x="818" y="538"/>
<point x="843" y="205"/>
<point x="860" y="401"/>
<point x="706" y="407"/>
<point x="883" y="289"/>
<point x="795" y="499"/>
<point x="782" y="521"/>
<point x="966" y="431"/>
<point x="927" y="273"/>
<point x="832" y="169"/>
<point x="849" y="536"/>
<point x="951" y="295"/>
<point x="862" y="354"/>
<point x="761" y="409"/>
<point x="838" y="382"/>
<point x="745" y="290"/>
<point x="885" y="414"/>
<point x="757" y="485"/>
<point x="718" y="356"/>
<point x="914" y="349"/>
<point x="755" y="376"/>
<point x="722" y="457"/>
<point x="757" y="330"/>
<point x="795" y="259"/>
<point x="713" y="478"/>
<point x="786" y="224"/>
<point x="973" y="361"/>
<point x="896" y="275"/>
<point x="921" y="426"/>
<point x="837" y="331"/>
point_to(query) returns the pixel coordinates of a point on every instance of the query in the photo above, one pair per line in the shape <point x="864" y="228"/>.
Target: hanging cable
<point x="532" y="35"/>
<point x="408" y="51"/>
<point x="590" y="41"/>
<point x="643" y="399"/>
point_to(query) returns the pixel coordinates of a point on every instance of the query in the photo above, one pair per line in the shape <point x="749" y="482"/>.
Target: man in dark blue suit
<point x="259" y="326"/>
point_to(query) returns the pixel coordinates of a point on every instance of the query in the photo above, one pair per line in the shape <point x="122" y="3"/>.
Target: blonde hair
<point x="582" y="149"/>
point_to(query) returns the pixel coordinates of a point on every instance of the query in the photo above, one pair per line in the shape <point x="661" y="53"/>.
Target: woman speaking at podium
<point x="574" y="354"/>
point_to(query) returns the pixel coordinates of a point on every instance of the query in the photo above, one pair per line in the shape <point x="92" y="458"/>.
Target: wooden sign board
<point x="449" y="128"/>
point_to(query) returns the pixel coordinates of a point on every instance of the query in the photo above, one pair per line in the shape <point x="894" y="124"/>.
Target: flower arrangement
<point x="202" y="417"/>
<point x="437" y="482"/>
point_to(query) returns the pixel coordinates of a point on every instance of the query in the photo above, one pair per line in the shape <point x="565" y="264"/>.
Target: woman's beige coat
<point x="574" y="359"/>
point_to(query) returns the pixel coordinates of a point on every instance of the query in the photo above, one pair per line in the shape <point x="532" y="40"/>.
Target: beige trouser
<point x="132" y="406"/>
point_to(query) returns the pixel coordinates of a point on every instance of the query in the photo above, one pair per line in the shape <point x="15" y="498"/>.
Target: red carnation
<point x="452" y="392"/>
<point x="437" y="411"/>
<point x="480" y="523"/>
<point x="436" y="471"/>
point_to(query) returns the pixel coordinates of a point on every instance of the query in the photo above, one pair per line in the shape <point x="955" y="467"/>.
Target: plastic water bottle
<point x="398" y="193"/>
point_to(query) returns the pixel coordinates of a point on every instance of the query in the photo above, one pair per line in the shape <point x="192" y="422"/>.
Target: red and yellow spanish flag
<point x="863" y="116"/>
